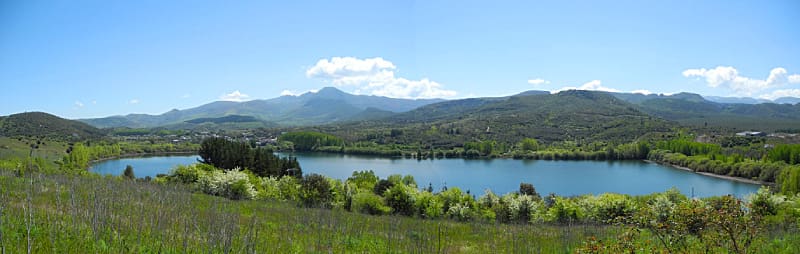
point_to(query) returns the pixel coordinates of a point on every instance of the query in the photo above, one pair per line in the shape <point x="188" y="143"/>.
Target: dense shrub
<point x="233" y="184"/>
<point x="369" y="203"/>
<point x="400" y="198"/>
<point x="315" y="191"/>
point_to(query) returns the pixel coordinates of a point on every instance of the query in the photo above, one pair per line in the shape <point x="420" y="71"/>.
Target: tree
<point x="315" y="191"/>
<point x="225" y="154"/>
<point x="128" y="173"/>
<point x="529" y="144"/>
<point x="528" y="189"/>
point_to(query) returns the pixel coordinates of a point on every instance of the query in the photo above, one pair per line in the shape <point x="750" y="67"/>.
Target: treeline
<point x="631" y="151"/>
<point x="222" y="153"/>
<point x="778" y="164"/>
<point x="786" y="153"/>
<point x="688" y="148"/>
<point x="309" y="140"/>
<point x="748" y="169"/>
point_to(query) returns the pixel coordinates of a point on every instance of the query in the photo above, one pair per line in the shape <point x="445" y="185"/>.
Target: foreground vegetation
<point x="66" y="213"/>
<point x="92" y="214"/>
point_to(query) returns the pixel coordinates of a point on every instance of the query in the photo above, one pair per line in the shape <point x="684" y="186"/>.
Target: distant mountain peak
<point x="532" y="92"/>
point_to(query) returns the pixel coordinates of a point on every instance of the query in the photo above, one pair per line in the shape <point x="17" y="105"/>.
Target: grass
<point x="68" y="214"/>
<point x="12" y="148"/>
<point x="50" y="213"/>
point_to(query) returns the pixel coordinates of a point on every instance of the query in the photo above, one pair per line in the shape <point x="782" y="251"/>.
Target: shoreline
<point x="730" y="178"/>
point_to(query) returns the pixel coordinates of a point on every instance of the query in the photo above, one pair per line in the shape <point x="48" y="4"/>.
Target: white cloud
<point x="781" y="93"/>
<point x="234" y="96"/>
<point x="728" y="77"/>
<point x="133" y="101"/>
<point x="185" y="96"/>
<point x="642" y="91"/>
<point x="94" y="102"/>
<point x="79" y="104"/>
<point x="795" y="78"/>
<point x="538" y="81"/>
<point x="594" y="85"/>
<point x="374" y="76"/>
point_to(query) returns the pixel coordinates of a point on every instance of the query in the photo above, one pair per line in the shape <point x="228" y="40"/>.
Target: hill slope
<point x="693" y="109"/>
<point x="324" y="106"/>
<point x="46" y="125"/>
<point x="581" y="116"/>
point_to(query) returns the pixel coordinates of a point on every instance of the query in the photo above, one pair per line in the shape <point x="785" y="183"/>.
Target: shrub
<point x="428" y="206"/>
<point x="763" y="203"/>
<point x="365" y="180"/>
<point x="401" y="199"/>
<point x="369" y="203"/>
<point x="128" y="173"/>
<point x="315" y="191"/>
<point x="382" y="186"/>
<point x="233" y="184"/>
<point x="610" y="207"/>
<point x="528" y="189"/>
<point x="564" y="210"/>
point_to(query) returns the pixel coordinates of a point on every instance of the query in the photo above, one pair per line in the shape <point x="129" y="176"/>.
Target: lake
<point x="500" y="175"/>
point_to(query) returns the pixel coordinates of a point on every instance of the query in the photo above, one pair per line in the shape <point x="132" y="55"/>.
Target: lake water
<point x="500" y="175"/>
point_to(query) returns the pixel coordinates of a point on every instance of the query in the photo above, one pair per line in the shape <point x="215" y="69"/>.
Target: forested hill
<point x="693" y="109"/>
<point x="46" y="125"/>
<point x="582" y="116"/>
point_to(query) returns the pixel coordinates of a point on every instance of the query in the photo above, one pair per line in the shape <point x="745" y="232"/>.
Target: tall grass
<point x="93" y="214"/>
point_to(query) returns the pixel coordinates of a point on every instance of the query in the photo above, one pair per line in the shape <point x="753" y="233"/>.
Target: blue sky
<point x="82" y="59"/>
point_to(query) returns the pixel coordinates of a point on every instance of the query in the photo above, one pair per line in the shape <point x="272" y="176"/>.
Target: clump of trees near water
<point x="777" y="165"/>
<point x="222" y="153"/>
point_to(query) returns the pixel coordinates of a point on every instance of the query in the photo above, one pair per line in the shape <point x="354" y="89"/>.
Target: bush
<point x="564" y="210"/>
<point x="382" y="186"/>
<point x="763" y="203"/>
<point x="365" y="180"/>
<point x="128" y="173"/>
<point x="369" y="203"/>
<point x="315" y="191"/>
<point x="233" y="184"/>
<point x="527" y="189"/>
<point x="611" y="207"/>
<point x="401" y="199"/>
<point x="522" y="208"/>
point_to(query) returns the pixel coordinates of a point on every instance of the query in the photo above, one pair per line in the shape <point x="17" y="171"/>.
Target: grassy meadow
<point x="93" y="214"/>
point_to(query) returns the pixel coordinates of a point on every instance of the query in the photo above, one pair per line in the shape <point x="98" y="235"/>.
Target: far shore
<point x="731" y="178"/>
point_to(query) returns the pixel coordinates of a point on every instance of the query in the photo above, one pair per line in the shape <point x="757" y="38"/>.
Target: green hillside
<point x="694" y="110"/>
<point x="580" y="116"/>
<point x="39" y="124"/>
<point x="224" y="119"/>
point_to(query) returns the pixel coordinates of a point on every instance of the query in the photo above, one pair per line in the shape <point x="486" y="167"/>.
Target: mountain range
<point x="330" y="105"/>
<point x="312" y="108"/>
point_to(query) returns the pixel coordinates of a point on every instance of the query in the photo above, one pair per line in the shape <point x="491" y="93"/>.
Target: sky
<point x="83" y="59"/>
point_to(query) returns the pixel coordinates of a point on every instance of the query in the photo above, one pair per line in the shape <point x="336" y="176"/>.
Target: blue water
<point x="500" y="175"/>
<point x="143" y="166"/>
